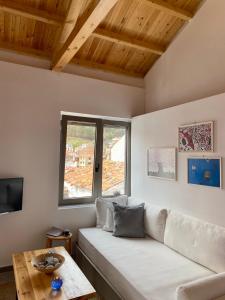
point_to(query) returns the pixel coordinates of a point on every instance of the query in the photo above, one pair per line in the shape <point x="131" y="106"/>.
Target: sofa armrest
<point x="208" y="288"/>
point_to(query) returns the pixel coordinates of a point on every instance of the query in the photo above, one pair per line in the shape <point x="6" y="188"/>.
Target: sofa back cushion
<point x="199" y="241"/>
<point x="155" y="221"/>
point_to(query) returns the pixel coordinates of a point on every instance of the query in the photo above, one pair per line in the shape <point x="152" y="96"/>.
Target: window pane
<point x="114" y="160"/>
<point x="79" y="160"/>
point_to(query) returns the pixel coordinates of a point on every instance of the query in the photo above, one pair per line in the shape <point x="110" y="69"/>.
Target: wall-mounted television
<point x="11" y="194"/>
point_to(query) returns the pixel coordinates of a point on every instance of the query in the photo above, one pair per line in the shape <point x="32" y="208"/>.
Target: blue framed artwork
<point x="205" y="171"/>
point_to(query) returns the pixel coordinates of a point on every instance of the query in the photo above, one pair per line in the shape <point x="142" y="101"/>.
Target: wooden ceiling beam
<point x="81" y="33"/>
<point x="170" y="9"/>
<point x="128" y="41"/>
<point x="69" y="23"/>
<point x="22" y="50"/>
<point x="11" y="47"/>
<point x="30" y="12"/>
<point x="106" y="68"/>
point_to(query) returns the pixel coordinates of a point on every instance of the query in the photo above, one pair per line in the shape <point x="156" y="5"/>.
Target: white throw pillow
<point x="155" y="221"/>
<point x="200" y="241"/>
<point x="103" y="203"/>
<point x="207" y="288"/>
<point x="109" y="222"/>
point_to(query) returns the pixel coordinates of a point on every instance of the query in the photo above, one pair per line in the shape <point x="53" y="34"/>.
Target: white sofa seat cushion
<point x="207" y="288"/>
<point x="138" y="268"/>
<point x="155" y="221"/>
<point x="200" y="241"/>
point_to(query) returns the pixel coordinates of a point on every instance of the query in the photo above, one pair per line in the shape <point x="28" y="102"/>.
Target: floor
<point x="7" y="286"/>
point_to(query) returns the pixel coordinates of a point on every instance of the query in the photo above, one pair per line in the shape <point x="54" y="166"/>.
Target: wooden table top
<point x="60" y="237"/>
<point x="34" y="285"/>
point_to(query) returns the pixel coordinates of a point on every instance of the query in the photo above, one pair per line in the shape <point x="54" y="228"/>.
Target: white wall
<point x="30" y="103"/>
<point x="159" y="129"/>
<point x="193" y="67"/>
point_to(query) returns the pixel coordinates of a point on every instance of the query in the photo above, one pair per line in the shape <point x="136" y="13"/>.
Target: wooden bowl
<point x="36" y="260"/>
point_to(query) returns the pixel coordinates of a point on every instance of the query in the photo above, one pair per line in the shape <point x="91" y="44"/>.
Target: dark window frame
<point x="97" y="174"/>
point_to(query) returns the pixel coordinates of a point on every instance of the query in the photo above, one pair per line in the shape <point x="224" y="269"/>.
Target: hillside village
<point x="79" y="168"/>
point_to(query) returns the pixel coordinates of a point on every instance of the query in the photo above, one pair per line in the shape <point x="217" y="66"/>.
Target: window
<point x="94" y="159"/>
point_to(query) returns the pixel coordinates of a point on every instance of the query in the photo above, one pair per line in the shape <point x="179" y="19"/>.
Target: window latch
<point x="97" y="166"/>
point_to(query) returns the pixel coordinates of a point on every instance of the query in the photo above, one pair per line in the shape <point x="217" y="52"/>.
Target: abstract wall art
<point x="161" y="163"/>
<point x="196" y="137"/>
<point x="205" y="171"/>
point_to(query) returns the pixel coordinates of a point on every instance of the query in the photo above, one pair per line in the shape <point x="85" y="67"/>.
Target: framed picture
<point x="196" y="137"/>
<point x="205" y="171"/>
<point x="161" y="163"/>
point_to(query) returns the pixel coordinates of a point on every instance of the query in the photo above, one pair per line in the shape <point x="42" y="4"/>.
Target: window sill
<point x="74" y="206"/>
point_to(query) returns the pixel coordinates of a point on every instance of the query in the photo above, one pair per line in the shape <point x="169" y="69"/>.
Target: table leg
<point x="48" y="243"/>
<point x="68" y="246"/>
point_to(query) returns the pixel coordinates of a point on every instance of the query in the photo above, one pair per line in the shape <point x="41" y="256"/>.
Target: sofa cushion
<point x="103" y="203"/>
<point x="200" y="241"/>
<point x="138" y="268"/>
<point x="155" y="221"/>
<point x="207" y="288"/>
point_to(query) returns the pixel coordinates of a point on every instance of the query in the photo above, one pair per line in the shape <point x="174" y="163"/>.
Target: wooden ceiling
<point x="120" y="36"/>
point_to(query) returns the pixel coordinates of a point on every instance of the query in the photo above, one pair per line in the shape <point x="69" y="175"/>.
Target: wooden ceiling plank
<point x="170" y="9"/>
<point x="30" y="12"/>
<point x="106" y="68"/>
<point x="69" y="22"/>
<point x="129" y="41"/>
<point x="80" y="35"/>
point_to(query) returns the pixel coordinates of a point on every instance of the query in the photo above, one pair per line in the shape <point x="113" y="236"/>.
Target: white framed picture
<point x="196" y="137"/>
<point x="161" y="163"/>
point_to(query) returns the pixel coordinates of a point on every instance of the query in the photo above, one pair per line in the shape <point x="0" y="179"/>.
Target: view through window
<point x="95" y="159"/>
<point x="114" y="160"/>
<point x="80" y="155"/>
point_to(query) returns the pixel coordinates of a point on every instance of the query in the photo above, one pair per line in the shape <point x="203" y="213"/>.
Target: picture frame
<point x="205" y="171"/>
<point x="196" y="137"/>
<point x="162" y="163"/>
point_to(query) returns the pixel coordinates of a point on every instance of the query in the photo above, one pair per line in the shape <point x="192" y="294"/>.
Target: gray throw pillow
<point x="129" y="221"/>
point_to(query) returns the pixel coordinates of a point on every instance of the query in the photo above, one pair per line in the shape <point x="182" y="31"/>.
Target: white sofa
<point x="179" y="259"/>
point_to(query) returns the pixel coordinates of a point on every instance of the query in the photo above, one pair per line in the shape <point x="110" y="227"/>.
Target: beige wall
<point x="194" y="65"/>
<point x="160" y="129"/>
<point x="30" y="103"/>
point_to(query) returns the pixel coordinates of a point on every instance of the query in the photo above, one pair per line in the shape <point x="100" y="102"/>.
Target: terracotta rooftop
<point x="113" y="174"/>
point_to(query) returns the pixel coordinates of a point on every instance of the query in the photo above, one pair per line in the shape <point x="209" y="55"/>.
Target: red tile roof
<point x="113" y="174"/>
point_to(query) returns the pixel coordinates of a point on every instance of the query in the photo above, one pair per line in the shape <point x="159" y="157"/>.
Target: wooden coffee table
<point x="34" y="285"/>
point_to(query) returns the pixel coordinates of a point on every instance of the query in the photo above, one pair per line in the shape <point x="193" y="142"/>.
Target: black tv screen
<point x="11" y="194"/>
